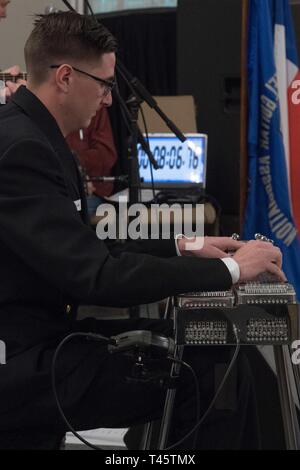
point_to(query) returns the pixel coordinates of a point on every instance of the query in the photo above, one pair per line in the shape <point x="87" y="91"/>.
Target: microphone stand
<point x="130" y="115"/>
<point x="144" y="95"/>
<point x="134" y="179"/>
<point x="69" y="6"/>
<point x="141" y="91"/>
<point x="141" y="94"/>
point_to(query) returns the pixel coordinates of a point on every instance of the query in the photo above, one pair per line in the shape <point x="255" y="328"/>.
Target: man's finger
<point x="214" y="252"/>
<point x="276" y="256"/>
<point x="228" y="243"/>
<point x="14" y="71"/>
<point x="274" y="269"/>
<point x="12" y="86"/>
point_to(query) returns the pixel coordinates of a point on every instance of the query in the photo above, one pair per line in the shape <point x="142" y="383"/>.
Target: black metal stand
<point x="288" y="379"/>
<point x="134" y="180"/>
<point x="140" y="94"/>
<point x="146" y="443"/>
<point x="288" y="385"/>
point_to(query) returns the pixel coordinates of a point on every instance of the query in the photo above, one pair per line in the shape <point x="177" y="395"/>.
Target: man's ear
<point x="64" y="77"/>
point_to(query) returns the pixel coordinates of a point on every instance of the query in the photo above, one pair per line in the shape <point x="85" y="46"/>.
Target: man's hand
<point x="256" y="257"/>
<point x="208" y="247"/>
<point x="12" y="87"/>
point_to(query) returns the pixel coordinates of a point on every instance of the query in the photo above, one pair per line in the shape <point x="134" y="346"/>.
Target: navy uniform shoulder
<point x="16" y="126"/>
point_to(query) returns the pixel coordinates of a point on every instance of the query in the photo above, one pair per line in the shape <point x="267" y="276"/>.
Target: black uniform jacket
<point x="50" y="257"/>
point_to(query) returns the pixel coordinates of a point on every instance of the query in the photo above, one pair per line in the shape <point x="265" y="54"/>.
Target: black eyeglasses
<point x="108" y="84"/>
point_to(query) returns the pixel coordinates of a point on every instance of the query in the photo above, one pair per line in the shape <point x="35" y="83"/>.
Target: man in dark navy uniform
<point x="52" y="261"/>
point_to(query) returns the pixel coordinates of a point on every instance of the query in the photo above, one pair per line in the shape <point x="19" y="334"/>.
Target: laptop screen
<point x="181" y="165"/>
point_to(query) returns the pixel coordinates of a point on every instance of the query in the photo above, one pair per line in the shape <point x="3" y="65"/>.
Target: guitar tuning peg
<point x="263" y="238"/>
<point x="259" y="236"/>
<point x="235" y="236"/>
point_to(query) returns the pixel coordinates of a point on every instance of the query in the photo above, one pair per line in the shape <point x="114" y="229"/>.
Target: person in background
<point x="10" y="87"/>
<point x="94" y="146"/>
<point x="3" y="7"/>
<point x="97" y="155"/>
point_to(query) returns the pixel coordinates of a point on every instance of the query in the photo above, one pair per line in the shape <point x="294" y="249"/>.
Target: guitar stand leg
<point x="287" y="384"/>
<point x="169" y="403"/>
<point x="145" y="444"/>
<point x="165" y="422"/>
<point x="296" y="372"/>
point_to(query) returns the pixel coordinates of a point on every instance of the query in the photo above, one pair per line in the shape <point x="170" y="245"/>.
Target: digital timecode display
<point x="178" y="162"/>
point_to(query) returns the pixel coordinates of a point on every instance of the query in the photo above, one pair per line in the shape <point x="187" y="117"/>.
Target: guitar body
<point x="5" y="77"/>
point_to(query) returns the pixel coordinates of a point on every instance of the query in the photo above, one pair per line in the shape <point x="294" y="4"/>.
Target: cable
<point x="91" y="10"/>
<point x="68" y="5"/>
<point x="139" y="104"/>
<point x="126" y="77"/>
<point x="237" y="349"/>
<point x="126" y="118"/>
<point x="124" y="74"/>
<point x="185" y="364"/>
<point x="147" y="137"/>
<point x="53" y="380"/>
<point x="177" y="361"/>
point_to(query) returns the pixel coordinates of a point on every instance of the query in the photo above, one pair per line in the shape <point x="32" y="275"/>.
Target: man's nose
<point x="107" y="100"/>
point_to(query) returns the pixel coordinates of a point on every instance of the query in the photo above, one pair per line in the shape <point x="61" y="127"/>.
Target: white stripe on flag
<point x="282" y="82"/>
<point x="292" y="70"/>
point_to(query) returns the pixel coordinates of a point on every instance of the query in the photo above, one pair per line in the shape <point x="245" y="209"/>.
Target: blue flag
<point x="272" y="69"/>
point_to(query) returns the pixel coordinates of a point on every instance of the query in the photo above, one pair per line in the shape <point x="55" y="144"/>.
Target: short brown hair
<point x="65" y="36"/>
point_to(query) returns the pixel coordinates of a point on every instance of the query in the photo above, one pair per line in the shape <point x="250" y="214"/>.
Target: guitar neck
<point x="4" y="76"/>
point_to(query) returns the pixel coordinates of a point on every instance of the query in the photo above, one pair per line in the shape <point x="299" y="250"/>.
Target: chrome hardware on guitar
<point x="206" y="299"/>
<point x="255" y="293"/>
<point x="256" y="313"/>
<point x="263" y="314"/>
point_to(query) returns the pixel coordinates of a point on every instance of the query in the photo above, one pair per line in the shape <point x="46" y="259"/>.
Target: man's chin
<point x="86" y="124"/>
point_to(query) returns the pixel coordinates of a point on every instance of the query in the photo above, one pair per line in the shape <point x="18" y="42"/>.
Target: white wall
<point x="15" y="29"/>
<point x="102" y="6"/>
